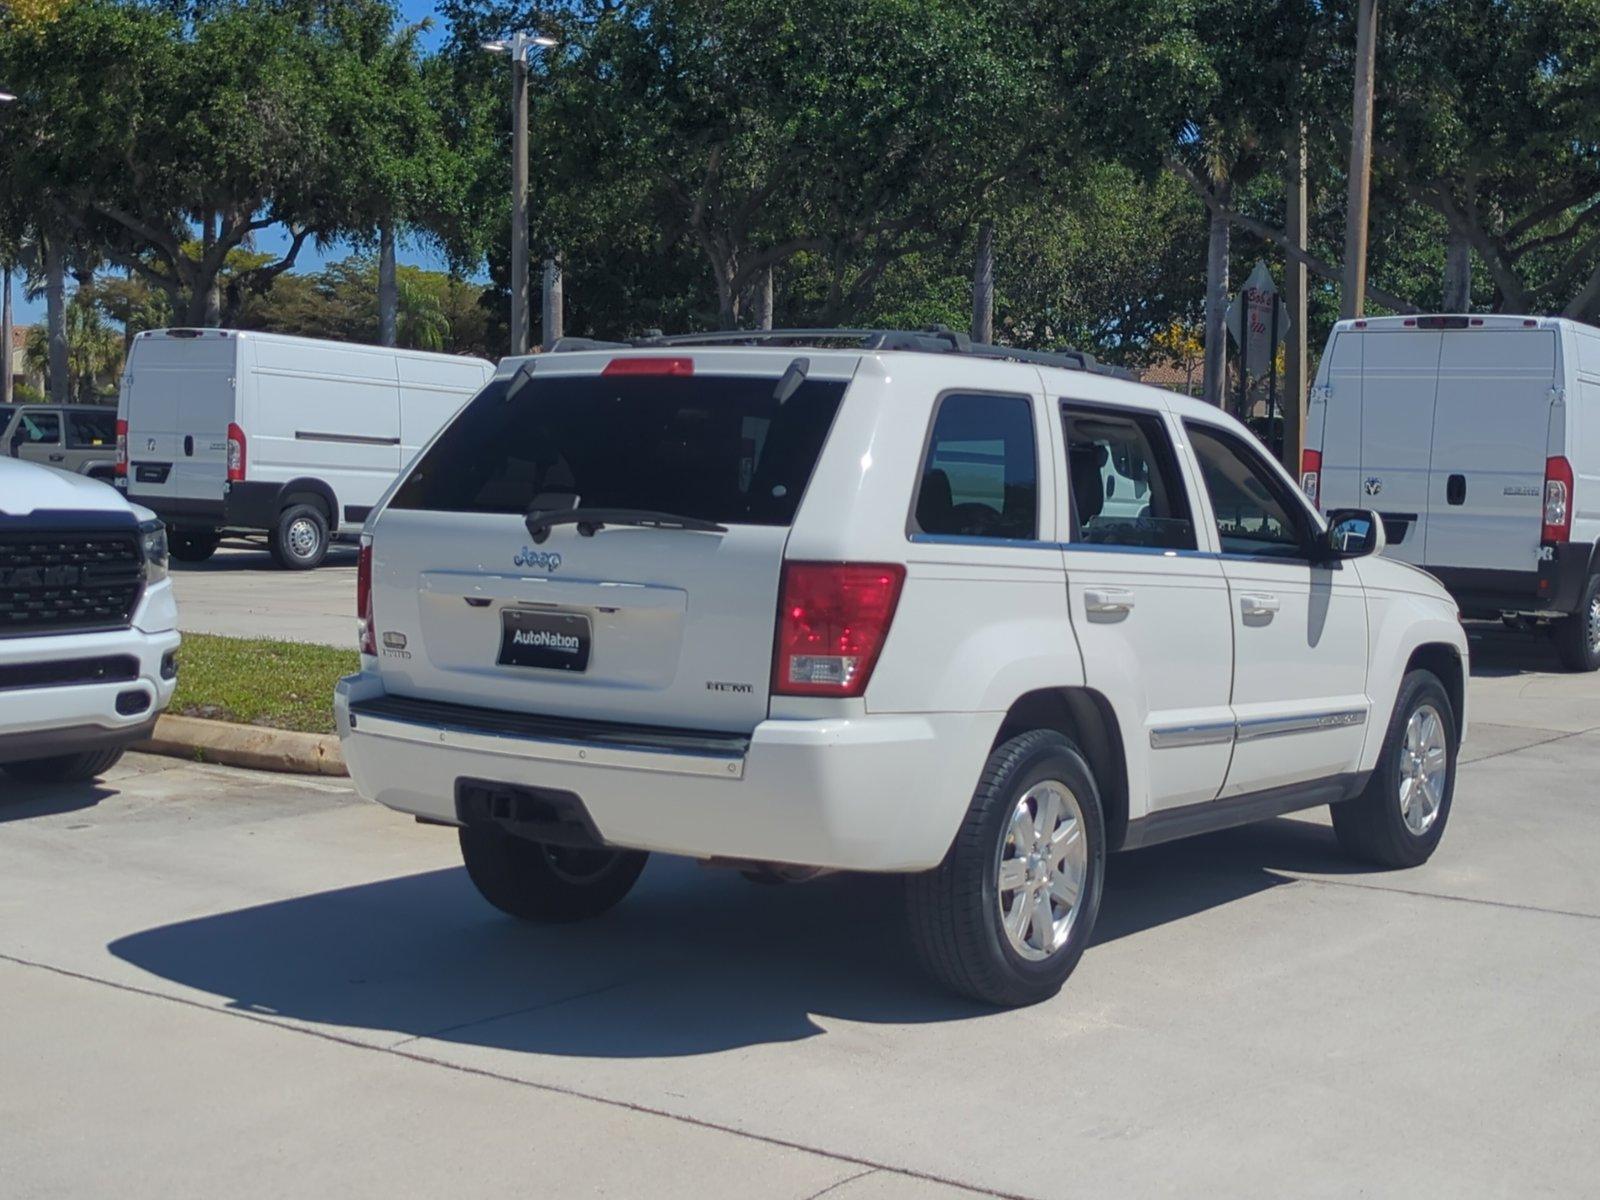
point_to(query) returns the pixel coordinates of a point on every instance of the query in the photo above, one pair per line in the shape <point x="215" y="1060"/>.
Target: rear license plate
<point x="553" y="641"/>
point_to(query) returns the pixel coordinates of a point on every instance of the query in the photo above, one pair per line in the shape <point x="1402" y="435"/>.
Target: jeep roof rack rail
<point x="931" y="339"/>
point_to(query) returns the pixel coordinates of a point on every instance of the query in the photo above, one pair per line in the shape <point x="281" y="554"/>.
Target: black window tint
<point x="37" y="426"/>
<point x="1126" y="486"/>
<point x="1255" y="515"/>
<point x="86" y="430"/>
<point x="714" y="447"/>
<point x="981" y="475"/>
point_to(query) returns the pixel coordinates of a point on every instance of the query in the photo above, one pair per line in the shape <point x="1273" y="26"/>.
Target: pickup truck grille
<point x="60" y="580"/>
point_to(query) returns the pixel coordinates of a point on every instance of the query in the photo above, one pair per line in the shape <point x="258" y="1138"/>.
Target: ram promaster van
<point x="222" y="430"/>
<point x="1478" y="440"/>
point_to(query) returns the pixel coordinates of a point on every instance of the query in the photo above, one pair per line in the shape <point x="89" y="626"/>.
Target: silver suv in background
<point x="81" y="438"/>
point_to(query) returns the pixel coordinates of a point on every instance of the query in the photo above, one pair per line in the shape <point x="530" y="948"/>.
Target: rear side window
<point x="1126" y="486"/>
<point x="980" y="477"/>
<point x="87" y="430"/>
<point x="720" y="448"/>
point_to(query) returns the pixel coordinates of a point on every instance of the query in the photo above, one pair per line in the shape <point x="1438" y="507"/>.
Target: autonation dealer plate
<point x="553" y="641"/>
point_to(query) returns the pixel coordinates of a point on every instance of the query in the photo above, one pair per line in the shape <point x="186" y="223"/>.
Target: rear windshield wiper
<point x="588" y="520"/>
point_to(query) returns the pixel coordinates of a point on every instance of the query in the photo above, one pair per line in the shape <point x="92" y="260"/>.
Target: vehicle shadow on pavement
<point x="1498" y="652"/>
<point x="693" y="962"/>
<point x="254" y="556"/>
<point x="23" y="801"/>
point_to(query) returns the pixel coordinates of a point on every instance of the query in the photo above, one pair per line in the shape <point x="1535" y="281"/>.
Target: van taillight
<point x="122" y="447"/>
<point x="236" y="460"/>
<point x="1311" y="476"/>
<point x="833" y="619"/>
<point x="1557" y="500"/>
<point x="366" y="626"/>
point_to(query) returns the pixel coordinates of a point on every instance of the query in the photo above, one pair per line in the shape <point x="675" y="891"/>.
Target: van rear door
<point x="1490" y="433"/>
<point x="1399" y="388"/>
<point x="178" y="398"/>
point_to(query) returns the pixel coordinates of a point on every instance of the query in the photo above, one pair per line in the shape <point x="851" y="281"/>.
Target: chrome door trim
<point x="1174" y="737"/>
<point x="1265" y="727"/>
<point x="1211" y="733"/>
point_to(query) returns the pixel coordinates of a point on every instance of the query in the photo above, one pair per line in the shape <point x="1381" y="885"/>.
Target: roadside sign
<point x="1255" y="307"/>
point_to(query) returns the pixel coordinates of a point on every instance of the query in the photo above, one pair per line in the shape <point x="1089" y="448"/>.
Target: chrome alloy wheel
<point x="302" y="537"/>
<point x="1044" y="865"/>
<point x="1594" y="625"/>
<point x="1424" y="767"/>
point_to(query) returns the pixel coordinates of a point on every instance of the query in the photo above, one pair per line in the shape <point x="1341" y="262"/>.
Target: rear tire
<point x="1400" y="817"/>
<point x="536" y="882"/>
<point x="299" y="540"/>
<point x="1577" y="637"/>
<point x="192" y="545"/>
<point x="65" y="768"/>
<point x="1006" y="916"/>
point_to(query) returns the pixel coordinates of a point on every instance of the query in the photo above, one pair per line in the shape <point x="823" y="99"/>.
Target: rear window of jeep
<point x="720" y="448"/>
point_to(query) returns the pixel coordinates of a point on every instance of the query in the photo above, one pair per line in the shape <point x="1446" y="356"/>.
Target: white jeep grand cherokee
<point x="881" y="602"/>
<point x="88" y="627"/>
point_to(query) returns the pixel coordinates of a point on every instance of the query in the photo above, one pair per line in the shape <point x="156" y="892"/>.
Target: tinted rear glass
<point x="715" y="447"/>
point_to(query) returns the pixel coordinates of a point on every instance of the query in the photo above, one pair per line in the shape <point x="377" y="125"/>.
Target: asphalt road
<point x="220" y="982"/>
<point x="241" y="592"/>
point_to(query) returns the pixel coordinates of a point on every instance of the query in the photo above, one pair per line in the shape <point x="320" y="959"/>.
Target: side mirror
<point x="1354" y="533"/>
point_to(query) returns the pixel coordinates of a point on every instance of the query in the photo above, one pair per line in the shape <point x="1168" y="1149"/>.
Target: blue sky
<point x="311" y="258"/>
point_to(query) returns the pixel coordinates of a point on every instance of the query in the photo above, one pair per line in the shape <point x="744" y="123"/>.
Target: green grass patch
<point x="258" y="681"/>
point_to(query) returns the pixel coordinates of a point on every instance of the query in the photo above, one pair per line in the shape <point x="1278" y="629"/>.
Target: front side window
<point x="38" y="427"/>
<point x="980" y="477"/>
<point x="1126" y="487"/>
<point x="1255" y="514"/>
<point x="719" y="448"/>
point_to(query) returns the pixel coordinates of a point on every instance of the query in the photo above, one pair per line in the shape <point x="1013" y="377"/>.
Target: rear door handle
<point x="1258" y="605"/>
<point x="1107" y="600"/>
<point x="58" y="458"/>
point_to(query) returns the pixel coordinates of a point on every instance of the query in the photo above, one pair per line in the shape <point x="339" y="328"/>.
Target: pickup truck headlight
<point x="153" y="546"/>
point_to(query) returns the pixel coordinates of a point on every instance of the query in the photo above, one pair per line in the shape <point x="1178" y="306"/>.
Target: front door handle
<point x="1107" y="600"/>
<point x="1254" y="605"/>
<point x="58" y="458"/>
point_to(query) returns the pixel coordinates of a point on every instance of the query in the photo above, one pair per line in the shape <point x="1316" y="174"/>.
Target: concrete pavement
<point x="215" y="980"/>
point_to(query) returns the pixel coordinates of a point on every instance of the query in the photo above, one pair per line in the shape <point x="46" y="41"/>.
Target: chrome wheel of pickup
<point x="1044" y="861"/>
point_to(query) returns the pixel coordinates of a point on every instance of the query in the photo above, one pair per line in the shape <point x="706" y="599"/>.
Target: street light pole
<point x="521" y="45"/>
<point x="519" y="194"/>
<point x="6" y="367"/>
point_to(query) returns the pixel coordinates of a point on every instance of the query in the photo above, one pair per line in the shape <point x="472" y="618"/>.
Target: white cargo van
<point x="1478" y="440"/>
<point x="228" y="430"/>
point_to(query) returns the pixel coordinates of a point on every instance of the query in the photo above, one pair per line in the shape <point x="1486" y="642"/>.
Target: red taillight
<point x="122" y="447"/>
<point x="833" y="619"/>
<point x="365" y="623"/>
<point x="236" y="460"/>
<point x="1311" y="476"/>
<point x="1557" y="500"/>
<point x="649" y="366"/>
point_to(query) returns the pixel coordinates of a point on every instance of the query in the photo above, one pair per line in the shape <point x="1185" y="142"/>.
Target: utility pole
<point x="554" y="314"/>
<point x="6" y="367"/>
<point x="1353" y="301"/>
<point x="1216" y="364"/>
<point x="983" y="285"/>
<point x="519" y="47"/>
<point x="1295" y="352"/>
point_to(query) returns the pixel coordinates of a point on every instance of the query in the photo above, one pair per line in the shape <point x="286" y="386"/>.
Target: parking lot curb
<point x="254" y="746"/>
